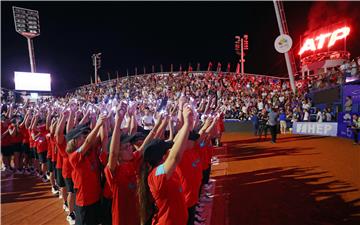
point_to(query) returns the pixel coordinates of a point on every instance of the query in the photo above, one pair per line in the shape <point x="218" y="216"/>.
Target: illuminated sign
<point x="313" y="44"/>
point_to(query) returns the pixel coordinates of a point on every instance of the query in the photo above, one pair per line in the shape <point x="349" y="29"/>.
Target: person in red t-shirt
<point x="121" y="173"/>
<point x="51" y="125"/>
<point x="23" y="127"/>
<point x="190" y="173"/>
<point x="6" y="150"/>
<point x="41" y="144"/>
<point x="60" y="146"/>
<point x="159" y="183"/>
<point x="84" y="158"/>
<point x="16" y="140"/>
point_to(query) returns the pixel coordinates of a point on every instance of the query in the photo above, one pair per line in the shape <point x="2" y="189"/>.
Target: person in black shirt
<point x="263" y="128"/>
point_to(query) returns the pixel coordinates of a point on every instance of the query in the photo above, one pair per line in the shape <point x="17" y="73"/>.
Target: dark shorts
<point x="69" y="185"/>
<point x="59" y="178"/>
<point x="50" y="166"/>
<point x="88" y="215"/>
<point x="106" y="209"/>
<point x="6" y="151"/>
<point x="26" y="149"/>
<point x="17" y="148"/>
<point x="54" y="169"/>
<point x="42" y="157"/>
<point x="34" y="154"/>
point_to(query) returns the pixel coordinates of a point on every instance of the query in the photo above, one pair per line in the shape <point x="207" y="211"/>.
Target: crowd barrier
<point x="315" y="128"/>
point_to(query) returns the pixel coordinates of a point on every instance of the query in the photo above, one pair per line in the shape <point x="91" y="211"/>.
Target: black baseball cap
<point x="155" y="150"/>
<point x="77" y="131"/>
<point x="193" y="135"/>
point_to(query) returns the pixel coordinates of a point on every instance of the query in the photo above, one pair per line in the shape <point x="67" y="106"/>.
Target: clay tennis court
<point x="300" y="180"/>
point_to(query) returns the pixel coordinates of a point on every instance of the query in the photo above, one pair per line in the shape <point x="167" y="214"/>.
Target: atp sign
<point x="325" y="39"/>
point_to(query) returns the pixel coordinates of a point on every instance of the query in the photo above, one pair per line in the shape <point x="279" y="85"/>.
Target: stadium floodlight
<point x="27" y="23"/>
<point x="97" y="64"/>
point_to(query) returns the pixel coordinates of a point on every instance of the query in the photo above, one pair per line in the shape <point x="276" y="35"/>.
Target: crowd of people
<point x="137" y="150"/>
<point x="112" y="159"/>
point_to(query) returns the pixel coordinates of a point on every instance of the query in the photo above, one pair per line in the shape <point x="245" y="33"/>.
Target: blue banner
<point x="353" y="91"/>
<point x="310" y="128"/>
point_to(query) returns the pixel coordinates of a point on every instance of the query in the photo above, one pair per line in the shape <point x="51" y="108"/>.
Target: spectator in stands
<point x="319" y="116"/>
<point x="348" y="104"/>
<point x="306" y="115"/>
<point x="328" y="115"/>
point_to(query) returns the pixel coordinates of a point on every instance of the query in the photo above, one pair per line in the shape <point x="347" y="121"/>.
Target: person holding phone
<point x="160" y="189"/>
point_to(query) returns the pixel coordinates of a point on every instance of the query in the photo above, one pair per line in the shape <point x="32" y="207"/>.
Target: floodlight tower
<point x="27" y="24"/>
<point x="241" y="44"/>
<point x="283" y="28"/>
<point x="97" y="64"/>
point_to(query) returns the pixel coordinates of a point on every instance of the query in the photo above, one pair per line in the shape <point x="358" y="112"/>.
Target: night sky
<point x="134" y="34"/>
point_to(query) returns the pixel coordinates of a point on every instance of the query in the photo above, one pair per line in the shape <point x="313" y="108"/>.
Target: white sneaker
<point x="71" y="218"/>
<point x="206" y="199"/>
<point x="27" y="171"/>
<point x="198" y="223"/>
<point x="54" y="191"/>
<point x="199" y="218"/>
<point x="44" y="179"/>
<point x="65" y="208"/>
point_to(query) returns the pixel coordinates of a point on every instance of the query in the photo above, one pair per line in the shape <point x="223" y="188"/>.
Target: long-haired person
<point x="16" y="139"/>
<point x="123" y="168"/>
<point x="83" y="145"/>
<point x="121" y="175"/>
<point x="60" y="146"/>
<point x="41" y="144"/>
<point x="160" y="190"/>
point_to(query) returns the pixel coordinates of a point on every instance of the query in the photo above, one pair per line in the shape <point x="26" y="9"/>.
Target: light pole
<point x="241" y="44"/>
<point x="27" y="24"/>
<point x="97" y="64"/>
<point x="290" y="64"/>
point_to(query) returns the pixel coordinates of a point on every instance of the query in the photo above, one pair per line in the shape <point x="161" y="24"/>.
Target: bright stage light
<point x="32" y="81"/>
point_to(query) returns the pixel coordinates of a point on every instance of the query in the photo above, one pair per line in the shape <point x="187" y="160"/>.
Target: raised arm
<point x="71" y="121"/>
<point x="59" y="133"/>
<point x="92" y="137"/>
<point x="48" y="119"/>
<point x="115" y="139"/>
<point x="179" y="147"/>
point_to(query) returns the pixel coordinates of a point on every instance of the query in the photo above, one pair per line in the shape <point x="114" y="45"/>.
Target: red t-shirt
<point x="190" y="173"/>
<point x="50" y="146"/>
<point x="59" y="157"/>
<point x="66" y="168"/>
<point x="6" y="141"/>
<point x="125" y="207"/>
<point x="107" y="193"/>
<point x="168" y="197"/>
<point x="17" y="138"/>
<point x="204" y="156"/>
<point x="25" y="134"/>
<point x="41" y="143"/>
<point x="31" y="140"/>
<point x="86" y="177"/>
<point x="54" y="147"/>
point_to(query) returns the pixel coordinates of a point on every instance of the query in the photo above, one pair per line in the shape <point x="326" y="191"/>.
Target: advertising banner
<point x="310" y="128"/>
<point x="344" y="121"/>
